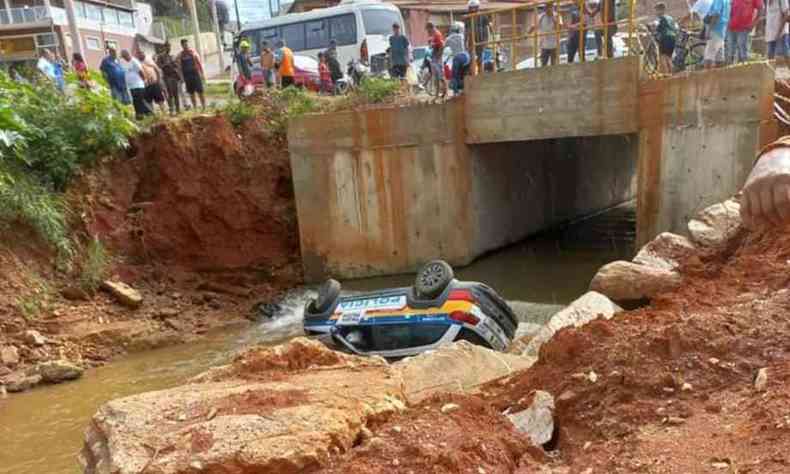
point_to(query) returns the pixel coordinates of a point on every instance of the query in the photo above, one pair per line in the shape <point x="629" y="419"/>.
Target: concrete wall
<point x="569" y="100"/>
<point x="698" y="139"/>
<point x="381" y="191"/>
<point x="521" y="188"/>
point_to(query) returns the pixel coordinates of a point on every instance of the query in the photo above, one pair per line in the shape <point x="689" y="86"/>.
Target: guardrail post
<point x="513" y="33"/>
<point x="476" y="65"/>
<point x="535" y="51"/>
<point x="607" y="53"/>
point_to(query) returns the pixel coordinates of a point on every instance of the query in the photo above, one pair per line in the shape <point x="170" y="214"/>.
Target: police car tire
<point x="327" y="294"/>
<point x="433" y="278"/>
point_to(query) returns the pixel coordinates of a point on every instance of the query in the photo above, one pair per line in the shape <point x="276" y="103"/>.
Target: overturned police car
<point x="402" y="322"/>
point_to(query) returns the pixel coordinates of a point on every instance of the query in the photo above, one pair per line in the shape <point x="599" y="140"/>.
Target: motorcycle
<point x="355" y="74"/>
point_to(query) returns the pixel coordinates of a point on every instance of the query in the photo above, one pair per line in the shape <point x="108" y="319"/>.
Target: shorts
<point x="666" y="46"/>
<point x="153" y="93"/>
<point x="399" y="71"/>
<point x="780" y="47"/>
<point x="714" y="49"/>
<point x="193" y="83"/>
<point x="437" y="67"/>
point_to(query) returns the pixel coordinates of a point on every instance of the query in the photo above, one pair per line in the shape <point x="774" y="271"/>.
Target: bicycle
<point x="689" y="51"/>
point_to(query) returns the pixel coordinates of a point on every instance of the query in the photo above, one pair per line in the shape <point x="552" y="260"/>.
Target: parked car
<point x="401" y="322"/>
<point x="590" y="50"/>
<point x="305" y="73"/>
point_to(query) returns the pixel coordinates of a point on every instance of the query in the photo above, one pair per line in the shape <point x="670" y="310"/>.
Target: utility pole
<point x="195" y="26"/>
<point x="238" y="17"/>
<point x="220" y="49"/>
<point x="74" y="31"/>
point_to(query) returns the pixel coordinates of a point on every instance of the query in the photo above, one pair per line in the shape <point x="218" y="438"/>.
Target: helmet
<point x="473" y="4"/>
<point x="244" y="44"/>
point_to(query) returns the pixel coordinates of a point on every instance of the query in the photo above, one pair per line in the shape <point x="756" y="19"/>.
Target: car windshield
<point x="379" y="21"/>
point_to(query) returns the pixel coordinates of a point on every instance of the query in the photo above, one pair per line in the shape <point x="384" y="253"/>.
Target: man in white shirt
<point x="548" y="25"/>
<point x="135" y="81"/>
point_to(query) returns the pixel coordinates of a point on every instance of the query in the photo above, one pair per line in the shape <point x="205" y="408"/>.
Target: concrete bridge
<point x="382" y="191"/>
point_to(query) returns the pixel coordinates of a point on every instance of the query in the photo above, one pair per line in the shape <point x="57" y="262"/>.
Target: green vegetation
<point x="94" y="266"/>
<point x="376" y="90"/>
<point x="45" y="139"/>
<point x="239" y="112"/>
<point x="36" y="299"/>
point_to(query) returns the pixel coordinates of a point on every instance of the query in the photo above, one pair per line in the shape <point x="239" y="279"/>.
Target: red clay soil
<point x="199" y="217"/>
<point x="674" y="389"/>
<point x="199" y="194"/>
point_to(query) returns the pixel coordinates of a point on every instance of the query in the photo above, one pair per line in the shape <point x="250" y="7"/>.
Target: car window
<point x="378" y="21"/>
<point x="343" y="29"/>
<point x="403" y="336"/>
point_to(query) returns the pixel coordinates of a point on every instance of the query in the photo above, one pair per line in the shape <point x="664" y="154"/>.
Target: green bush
<point x="45" y="138"/>
<point x="290" y="103"/>
<point x="239" y="111"/>
<point x="94" y="266"/>
<point x="375" y="90"/>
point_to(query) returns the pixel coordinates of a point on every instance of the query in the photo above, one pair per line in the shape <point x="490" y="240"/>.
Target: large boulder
<point x="20" y="381"/>
<point x="716" y="224"/>
<point x="56" y="371"/>
<point x="457" y="367"/>
<point x="589" y="306"/>
<point x="624" y="281"/>
<point x="282" y="409"/>
<point x="123" y="293"/>
<point x="665" y="252"/>
<point x="524" y="333"/>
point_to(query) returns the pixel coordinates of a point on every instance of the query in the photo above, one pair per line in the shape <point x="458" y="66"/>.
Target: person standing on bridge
<point x="743" y="16"/>
<point x="285" y="64"/>
<point x="666" y="32"/>
<point x="717" y="19"/>
<point x="776" y="39"/>
<point x="547" y="25"/>
<point x="479" y="33"/>
<point x="436" y="41"/>
<point x="191" y="67"/>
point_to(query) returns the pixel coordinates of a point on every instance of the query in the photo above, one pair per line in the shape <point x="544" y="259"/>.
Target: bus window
<point x="379" y="22"/>
<point x="343" y="29"/>
<point x="294" y="36"/>
<point x="317" y="34"/>
<point x="270" y="35"/>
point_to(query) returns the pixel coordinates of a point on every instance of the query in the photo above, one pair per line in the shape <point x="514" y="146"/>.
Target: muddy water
<point x="41" y="431"/>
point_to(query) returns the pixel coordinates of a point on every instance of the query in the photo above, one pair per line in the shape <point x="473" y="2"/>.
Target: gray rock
<point x="123" y="293"/>
<point x="716" y="224"/>
<point x="623" y="281"/>
<point x="665" y="252"/>
<point x="56" y="371"/>
<point x="20" y="381"/>
<point x="586" y="308"/>
<point x="537" y="421"/>
<point x="9" y="356"/>
<point x="34" y="338"/>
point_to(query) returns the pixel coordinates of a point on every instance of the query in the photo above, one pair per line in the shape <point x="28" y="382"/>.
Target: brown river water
<point x="41" y="430"/>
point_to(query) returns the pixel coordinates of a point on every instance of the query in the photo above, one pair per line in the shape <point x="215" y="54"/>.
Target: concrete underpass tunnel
<point x="524" y="187"/>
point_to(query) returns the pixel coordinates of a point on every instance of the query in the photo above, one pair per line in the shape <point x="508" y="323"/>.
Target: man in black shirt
<point x="481" y="32"/>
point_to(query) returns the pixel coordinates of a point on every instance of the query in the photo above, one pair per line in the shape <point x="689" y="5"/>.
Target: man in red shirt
<point x="743" y="16"/>
<point x="436" y="42"/>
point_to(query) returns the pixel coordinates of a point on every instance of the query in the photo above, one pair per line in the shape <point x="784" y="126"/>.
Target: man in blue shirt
<point x="399" y="52"/>
<point x="115" y="76"/>
<point x="717" y="19"/>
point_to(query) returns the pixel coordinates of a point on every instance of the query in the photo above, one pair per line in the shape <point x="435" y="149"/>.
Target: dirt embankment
<point x="674" y="388"/>
<point x="199" y="217"/>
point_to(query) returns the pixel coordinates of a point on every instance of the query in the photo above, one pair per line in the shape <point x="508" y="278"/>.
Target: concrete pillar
<point x="74" y="30"/>
<point x="195" y="27"/>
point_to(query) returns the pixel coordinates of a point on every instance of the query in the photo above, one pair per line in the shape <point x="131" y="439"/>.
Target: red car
<point x="305" y="74"/>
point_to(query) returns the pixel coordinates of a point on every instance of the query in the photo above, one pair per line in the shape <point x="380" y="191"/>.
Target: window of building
<point x="317" y="34"/>
<point x="94" y="12"/>
<point x="294" y="36"/>
<point x="46" y="40"/>
<point x="79" y="10"/>
<point x="343" y="29"/>
<point x="111" y="16"/>
<point x="92" y="42"/>
<point x="126" y="18"/>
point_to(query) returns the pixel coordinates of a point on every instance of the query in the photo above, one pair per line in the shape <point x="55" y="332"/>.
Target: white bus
<point x="349" y="24"/>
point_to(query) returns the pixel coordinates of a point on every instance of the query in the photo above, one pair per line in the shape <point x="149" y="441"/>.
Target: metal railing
<point x="605" y="26"/>
<point x="25" y="15"/>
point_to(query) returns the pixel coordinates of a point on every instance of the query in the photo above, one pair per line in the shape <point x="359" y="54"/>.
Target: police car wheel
<point x="433" y="278"/>
<point x="327" y="294"/>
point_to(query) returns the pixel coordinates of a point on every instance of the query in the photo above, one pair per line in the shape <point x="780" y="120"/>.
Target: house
<point x="28" y="26"/>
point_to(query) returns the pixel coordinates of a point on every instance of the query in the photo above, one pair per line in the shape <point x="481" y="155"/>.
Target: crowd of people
<point x="147" y="82"/>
